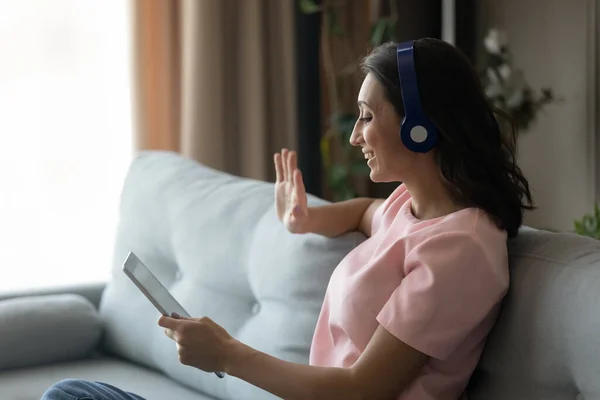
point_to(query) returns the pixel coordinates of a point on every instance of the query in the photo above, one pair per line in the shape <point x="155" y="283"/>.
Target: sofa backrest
<point x="546" y="342"/>
<point x="215" y="242"/>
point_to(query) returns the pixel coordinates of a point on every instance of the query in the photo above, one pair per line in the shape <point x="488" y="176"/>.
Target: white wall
<point x="554" y="43"/>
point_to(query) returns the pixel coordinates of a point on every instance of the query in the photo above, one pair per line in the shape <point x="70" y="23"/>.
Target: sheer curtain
<point x="215" y="81"/>
<point x="65" y="138"/>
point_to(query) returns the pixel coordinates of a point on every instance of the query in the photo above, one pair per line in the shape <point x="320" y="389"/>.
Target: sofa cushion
<point x="546" y="343"/>
<point x="47" y="329"/>
<point x="214" y="240"/>
<point x="31" y="383"/>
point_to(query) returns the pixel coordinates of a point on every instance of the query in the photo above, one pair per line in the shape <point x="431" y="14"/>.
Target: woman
<point x="407" y="312"/>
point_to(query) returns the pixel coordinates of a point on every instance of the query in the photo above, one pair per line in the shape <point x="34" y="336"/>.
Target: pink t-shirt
<point x="435" y="284"/>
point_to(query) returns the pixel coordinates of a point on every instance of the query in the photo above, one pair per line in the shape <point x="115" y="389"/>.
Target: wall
<point x="554" y="43"/>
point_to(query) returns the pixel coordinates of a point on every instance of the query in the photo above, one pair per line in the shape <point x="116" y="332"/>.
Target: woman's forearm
<point x="338" y="218"/>
<point x="288" y="380"/>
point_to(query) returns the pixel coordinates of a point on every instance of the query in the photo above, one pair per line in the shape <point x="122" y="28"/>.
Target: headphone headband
<point x="408" y="78"/>
<point x="418" y="132"/>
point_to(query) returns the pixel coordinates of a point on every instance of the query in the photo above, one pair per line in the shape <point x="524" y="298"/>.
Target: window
<point x="65" y="138"/>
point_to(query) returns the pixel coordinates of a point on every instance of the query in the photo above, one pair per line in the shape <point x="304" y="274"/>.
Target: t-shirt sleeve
<point x="377" y="215"/>
<point x="451" y="285"/>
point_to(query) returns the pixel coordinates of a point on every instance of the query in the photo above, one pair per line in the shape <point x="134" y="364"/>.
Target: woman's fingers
<point x="284" y="161"/>
<point x="291" y="165"/>
<point x="170" y="333"/>
<point x="299" y="188"/>
<point x="278" y="167"/>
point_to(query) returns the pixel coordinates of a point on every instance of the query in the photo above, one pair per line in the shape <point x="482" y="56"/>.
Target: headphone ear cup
<point x="405" y="137"/>
<point x="417" y="137"/>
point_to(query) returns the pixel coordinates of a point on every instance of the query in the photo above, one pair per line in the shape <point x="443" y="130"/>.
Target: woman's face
<point x="377" y="131"/>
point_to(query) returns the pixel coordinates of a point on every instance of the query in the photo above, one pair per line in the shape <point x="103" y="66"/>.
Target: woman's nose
<point x="355" y="137"/>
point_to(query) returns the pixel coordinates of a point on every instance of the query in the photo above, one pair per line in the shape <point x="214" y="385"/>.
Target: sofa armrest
<point x="91" y="292"/>
<point x="38" y="330"/>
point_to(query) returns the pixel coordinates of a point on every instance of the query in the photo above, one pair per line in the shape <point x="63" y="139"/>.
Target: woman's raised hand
<point x="290" y="194"/>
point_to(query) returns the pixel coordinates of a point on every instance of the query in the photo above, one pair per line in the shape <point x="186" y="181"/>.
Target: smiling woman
<point x="65" y="132"/>
<point x="398" y="320"/>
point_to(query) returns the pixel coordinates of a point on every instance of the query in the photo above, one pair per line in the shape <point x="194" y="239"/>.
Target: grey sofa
<point x="214" y="240"/>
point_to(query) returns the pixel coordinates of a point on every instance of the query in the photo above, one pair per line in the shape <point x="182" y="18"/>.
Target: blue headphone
<point x="418" y="132"/>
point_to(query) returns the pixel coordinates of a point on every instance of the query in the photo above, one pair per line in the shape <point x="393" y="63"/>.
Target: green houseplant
<point x="589" y="224"/>
<point x="505" y="85"/>
<point x="344" y="167"/>
<point x="343" y="164"/>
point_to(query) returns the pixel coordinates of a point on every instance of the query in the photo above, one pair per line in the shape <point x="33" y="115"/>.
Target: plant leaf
<point x="346" y="194"/>
<point x="335" y="29"/>
<point x="578" y="227"/>
<point x="377" y="32"/>
<point x="338" y="175"/>
<point x="308" y="7"/>
<point x="390" y="32"/>
<point x="325" y="153"/>
<point x="589" y="224"/>
<point x="515" y="99"/>
<point x="493" y="90"/>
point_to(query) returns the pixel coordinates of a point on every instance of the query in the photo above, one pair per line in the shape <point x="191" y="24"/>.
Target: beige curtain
<point x="215" y="80"/>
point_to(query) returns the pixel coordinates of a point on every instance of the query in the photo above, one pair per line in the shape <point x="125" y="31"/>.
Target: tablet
<point x="151" y="287"/>
<point x="154" y="291"/>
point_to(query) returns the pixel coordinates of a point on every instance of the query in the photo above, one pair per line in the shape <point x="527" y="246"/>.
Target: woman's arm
<point x="382" y="372"/>
<point x="331" y="220"/>
<point x="346" y="216"/>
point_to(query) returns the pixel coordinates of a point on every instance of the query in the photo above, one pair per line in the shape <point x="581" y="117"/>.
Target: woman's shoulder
<point x="473" y="241"/>
<point x="469" y="228"/>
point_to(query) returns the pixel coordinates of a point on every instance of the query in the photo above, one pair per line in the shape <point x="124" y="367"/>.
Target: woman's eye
<point x="365" y="119"/>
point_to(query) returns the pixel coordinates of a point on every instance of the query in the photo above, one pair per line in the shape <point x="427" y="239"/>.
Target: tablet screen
<point x="151" y="287"/>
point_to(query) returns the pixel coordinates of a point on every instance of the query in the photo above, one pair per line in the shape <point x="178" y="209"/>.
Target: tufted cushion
<point x="546" y="343"/>
<point x="214" y="240"/>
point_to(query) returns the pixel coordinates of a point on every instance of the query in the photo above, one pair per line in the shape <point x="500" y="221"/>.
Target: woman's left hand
<point x="201" y="342"/>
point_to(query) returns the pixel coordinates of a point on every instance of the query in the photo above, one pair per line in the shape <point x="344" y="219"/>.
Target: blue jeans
<point x="74" y="389"/>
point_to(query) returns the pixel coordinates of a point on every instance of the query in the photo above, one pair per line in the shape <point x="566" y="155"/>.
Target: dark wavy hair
<point x="476" y="159"/>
